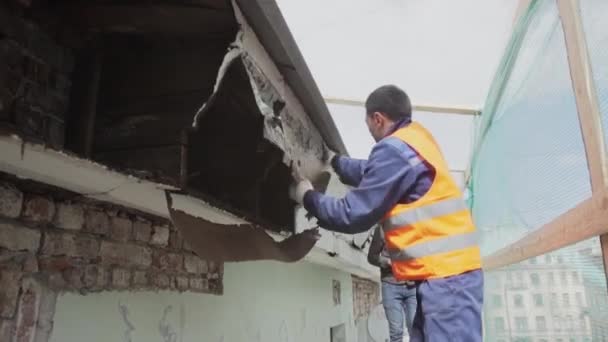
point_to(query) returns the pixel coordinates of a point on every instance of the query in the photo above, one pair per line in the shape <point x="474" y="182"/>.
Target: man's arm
<point x="374" y="255"/>
<point x="390" y="173"/>
<point x="349" y="170"/>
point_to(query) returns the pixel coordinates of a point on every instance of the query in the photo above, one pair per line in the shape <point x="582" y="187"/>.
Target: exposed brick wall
<point x="35" y="73"/>
<point x="50" y="244"/>
<point x="366" y="295"/>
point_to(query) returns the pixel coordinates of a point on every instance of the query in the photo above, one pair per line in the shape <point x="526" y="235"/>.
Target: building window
<point x="575" y="278"/>
<point x="338" y="333"/>
<point x="541" y="323"/>
<point x="509" y="277"/>
<point x="548" y="258"/>
<point x="557" y="323"/>
<point x="520" y="277"/>
<point x="560" y="259"/>
<point x="538" y="299"/>
<point x="499" y="324"/>
<point x="551" y="278"/>
<point x="583" y="323"/>
<point x="569" y="323"/>
<point x="535" y="279"/>
<point x="533" y="261"/>
<point x="579" y="299"/>
<point x="554" y="298"/>
<point x="566" y="299"/>
<point x="497" y="301"/>
<point x="518" y="300"/>
<point x="564" y="277"/>
<point x="521" y="324"/>
<point x="493" y="281"/>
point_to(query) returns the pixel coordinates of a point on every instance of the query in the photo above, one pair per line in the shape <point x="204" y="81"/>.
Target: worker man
<point x="398" y="296"/>
<point x="406" y="186"/>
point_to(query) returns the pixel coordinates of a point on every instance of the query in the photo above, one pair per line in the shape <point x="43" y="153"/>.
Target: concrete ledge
<point x="39" y="163"/>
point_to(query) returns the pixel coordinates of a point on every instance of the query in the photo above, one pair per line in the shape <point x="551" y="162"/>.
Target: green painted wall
<point x="262" y="302"/>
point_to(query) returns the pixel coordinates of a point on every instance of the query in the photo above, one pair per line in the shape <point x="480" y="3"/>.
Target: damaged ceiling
<point x="185" y="95"/>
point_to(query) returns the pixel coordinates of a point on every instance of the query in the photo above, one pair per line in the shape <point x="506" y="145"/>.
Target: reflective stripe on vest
<point x="438" y="246"/>
<point x="424" y="213"/>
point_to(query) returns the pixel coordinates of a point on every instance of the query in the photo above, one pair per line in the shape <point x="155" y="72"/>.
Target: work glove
<point x="299" y="186"/>
<point x="328" y="159"/>
<point x="298" y="189"/>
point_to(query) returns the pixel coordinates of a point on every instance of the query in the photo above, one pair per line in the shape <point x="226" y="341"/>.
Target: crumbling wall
<point x="366" y="295"/>
<point x="34" y="77"/>
<point x="52" y="241"/>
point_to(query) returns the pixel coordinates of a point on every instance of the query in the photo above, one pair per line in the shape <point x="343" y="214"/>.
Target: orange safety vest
<point x="434" y="236"/>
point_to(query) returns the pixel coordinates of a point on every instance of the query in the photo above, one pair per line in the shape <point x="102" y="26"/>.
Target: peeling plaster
<point x="299" y="138"/>
<point x="286" y="124"/>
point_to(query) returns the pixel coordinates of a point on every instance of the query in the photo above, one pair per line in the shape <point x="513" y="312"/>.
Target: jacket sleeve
<point x="387" y="177"/>
<point x="349" y="170"/>
<point x="374" y="255"/>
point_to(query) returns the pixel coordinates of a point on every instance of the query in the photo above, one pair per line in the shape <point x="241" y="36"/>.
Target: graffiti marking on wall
<point x="167" y="332"/>
<point x="124" y="313"/>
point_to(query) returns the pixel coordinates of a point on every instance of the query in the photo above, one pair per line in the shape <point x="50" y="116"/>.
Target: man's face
<point x="377" y="125"/>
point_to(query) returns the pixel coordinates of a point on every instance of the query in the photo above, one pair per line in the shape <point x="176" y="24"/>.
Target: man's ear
<point x="377" y="118"/>
<point x="380" y="118"/>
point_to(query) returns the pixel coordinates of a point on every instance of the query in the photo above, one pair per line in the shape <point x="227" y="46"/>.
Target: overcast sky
<point x="441" y="52"/>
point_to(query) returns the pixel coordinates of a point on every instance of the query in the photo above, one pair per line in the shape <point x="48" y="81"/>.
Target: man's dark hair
<point x="390" y="100"/>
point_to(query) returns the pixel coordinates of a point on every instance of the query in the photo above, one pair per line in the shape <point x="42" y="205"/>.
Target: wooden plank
<point x="159" y="164"/>
<point x="148" y="18"/>
<point x="584" y="89"/>
<point x="420" y="108"/>
<point x="586" y="100"/>
<point x="163" y="73"/>
<point x="83" y="113"/>
<point x="91" y="103"/>
<point x="137" y="131"/>
<point x="604" y="243"/>
<point x="586" y="220"/>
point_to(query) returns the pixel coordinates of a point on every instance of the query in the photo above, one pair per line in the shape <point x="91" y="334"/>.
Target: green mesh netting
<point x="530" y="164"/>
<point x="529" y="167"/>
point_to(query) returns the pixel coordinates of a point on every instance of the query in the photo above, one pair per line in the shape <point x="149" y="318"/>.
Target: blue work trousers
<point x="449" y="309"/>
<point x="399" y="303"/>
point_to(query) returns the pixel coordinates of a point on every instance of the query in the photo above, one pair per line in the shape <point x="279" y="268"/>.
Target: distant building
<point x="594" y="280"/>
<point x="540" y="300"/>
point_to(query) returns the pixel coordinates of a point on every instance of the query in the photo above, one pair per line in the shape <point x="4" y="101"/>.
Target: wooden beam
<point x="83" y="113"/>
<point x="420" y="108"/>
<point x="586" y="99"/>
<point x="604" y="243"/>
<point x="150" y="18"/>
<point x="586" y="220"/>
<point x="584" y="89"/>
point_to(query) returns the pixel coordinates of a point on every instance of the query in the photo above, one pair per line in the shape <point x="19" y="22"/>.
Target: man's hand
<point x="299" y="187"/>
